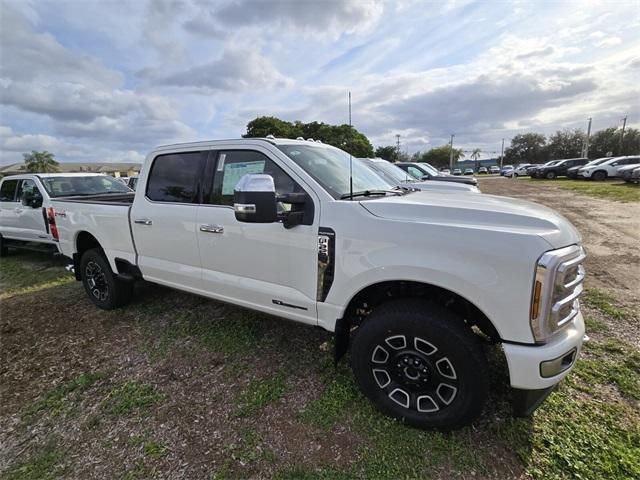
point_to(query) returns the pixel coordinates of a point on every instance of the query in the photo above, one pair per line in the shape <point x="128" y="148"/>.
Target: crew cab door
<point x="258" y="265"/>
<point x="8" y="207"/>
<point x="163" y="220"/>
<point x="30" y="220"/>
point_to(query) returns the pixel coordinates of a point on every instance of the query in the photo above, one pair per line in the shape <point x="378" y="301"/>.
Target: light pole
<point x="451" y="152"/>
<point x="502" y="155"/>
<point x="624" y="124"/>
<point x="585" y="152"/>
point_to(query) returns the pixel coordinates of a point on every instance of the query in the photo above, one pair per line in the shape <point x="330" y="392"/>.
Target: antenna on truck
<point x="350" y="156"/>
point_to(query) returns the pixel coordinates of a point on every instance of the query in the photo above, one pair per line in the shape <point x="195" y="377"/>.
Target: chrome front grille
<point x="567" y="289"/>
<point x="557" y="286"/>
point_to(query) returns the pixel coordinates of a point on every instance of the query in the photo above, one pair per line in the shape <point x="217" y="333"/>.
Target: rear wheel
<point x="416" y="361"/>
<point x="551" y="175"/>
<point x="599" y="175"/>
<point x="103" y="287"/>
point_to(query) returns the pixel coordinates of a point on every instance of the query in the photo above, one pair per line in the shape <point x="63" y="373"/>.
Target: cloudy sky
<point x="108" y="80"/>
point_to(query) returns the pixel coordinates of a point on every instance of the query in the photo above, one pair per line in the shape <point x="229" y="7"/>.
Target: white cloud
<point x="236" y="70"/>
<point x="609" y="42"/>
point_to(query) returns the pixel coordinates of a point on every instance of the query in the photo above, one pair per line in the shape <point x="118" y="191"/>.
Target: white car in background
<point x="607" y="169"/>
<point x="519" y="171"/>
<point x="26" y="217"/>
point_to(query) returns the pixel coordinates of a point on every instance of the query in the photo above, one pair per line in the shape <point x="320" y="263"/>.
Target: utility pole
<point x="502" y="155"/>
<point x="585" y="152"/>
<point x="624" y="124"/>
<point x="398" y="145"/>
<point x="451" y="152"/>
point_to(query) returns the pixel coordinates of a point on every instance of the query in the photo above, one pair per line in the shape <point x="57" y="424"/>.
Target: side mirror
<point x="254" y="199"/>
<point x="425" y="177"/>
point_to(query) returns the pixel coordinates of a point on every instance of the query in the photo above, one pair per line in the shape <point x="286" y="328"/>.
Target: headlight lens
<point x="556" y="289"/>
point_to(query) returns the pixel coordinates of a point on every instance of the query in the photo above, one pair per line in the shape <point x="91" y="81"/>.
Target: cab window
<point x="8" y="191"/>
<point x="28" y="187"/>
<point x="231" y="165"/>
<point x="174" y="177"/>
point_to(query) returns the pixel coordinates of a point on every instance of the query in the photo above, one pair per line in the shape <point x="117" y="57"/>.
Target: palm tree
<point x="40" y="162"/>
<point x="475" y="155"/>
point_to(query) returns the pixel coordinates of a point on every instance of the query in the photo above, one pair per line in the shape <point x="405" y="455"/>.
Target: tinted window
<point x="28" y="187"/>
<point x="8" y="190"/>
<point x="232" y="165"/>
<point x="77" y="185"/>
<point x="174" y="177"/>
<point x="416" y="172"/>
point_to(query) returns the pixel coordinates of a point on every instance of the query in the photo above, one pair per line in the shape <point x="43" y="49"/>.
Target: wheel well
<point x="363" y="303"/>
<point x="85" y="241"/>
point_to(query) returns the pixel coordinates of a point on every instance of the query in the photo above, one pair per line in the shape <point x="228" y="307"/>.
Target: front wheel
<point x="103" y="287"/>
<point x="551" y="175"/>
<point x="599" y="175"/>
<point x="416" y="361"/>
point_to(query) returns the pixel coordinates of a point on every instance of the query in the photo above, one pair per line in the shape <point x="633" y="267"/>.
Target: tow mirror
<point x="254" y="199"/>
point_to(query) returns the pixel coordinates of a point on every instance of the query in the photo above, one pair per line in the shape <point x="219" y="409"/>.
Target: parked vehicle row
<point x="302" y="231"/>
<point x="425" y="171"/>
<point x="577" y="168"/>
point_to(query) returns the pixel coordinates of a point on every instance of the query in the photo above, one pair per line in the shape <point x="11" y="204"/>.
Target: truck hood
<point x="480" y="211"/>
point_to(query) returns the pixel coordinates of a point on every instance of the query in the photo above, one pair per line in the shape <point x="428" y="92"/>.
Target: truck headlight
<point x="556" y="289"/>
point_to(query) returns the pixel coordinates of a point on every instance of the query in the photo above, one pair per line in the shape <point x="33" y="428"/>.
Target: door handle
<point x="143" y="221"/>
<point x="211" y="229"/>
<point x="18" y="210"/>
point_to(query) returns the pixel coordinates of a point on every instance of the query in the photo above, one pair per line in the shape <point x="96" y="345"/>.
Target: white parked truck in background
<point x="26" y="218"/>
<point x="410" y="282"/>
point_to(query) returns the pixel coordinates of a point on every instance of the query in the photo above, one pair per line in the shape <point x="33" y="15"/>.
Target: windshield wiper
<point x="369" y="193"/>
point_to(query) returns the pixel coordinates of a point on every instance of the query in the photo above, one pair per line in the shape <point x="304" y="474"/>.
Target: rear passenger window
<point x="174" y="177"/>
<point x="232" y="165"/>
<point x="8" y="191"/>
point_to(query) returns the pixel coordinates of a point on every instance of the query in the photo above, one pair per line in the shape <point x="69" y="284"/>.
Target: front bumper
<point x="537" y="369"/>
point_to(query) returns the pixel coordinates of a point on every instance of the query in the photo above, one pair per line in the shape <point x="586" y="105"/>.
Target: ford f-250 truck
<point x="412" y="283"/>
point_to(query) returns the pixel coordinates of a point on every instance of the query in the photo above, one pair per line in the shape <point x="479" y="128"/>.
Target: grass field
<point x="589" y="428"/>
<point x="610" y="189"/>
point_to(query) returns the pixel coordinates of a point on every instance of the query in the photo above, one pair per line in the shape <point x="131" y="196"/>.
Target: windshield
<point x="597" y="161"/>
<point x="430" y="169"/>
<point x="77" y="185"/>
<point x="330" y="168"/>
<point x="391" y="172"/>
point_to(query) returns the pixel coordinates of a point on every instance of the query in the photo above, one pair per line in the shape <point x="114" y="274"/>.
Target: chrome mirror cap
<point x="256" y="182"/>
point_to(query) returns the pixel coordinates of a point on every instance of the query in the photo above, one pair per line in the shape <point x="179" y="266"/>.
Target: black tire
<point x="515" y="175"/>
<point x="551" y="175"/>
<point x="599" y="175"/>
<point x="445" y="389"/>
<point x="103" y="287"/>
<point x="4" y="250"/>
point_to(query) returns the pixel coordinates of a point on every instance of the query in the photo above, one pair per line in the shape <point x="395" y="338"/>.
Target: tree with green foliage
<point x="342" y="136"/>
<point x="263" y="126"/>
<point x="565" y="144"/>
<point x="607" y="142"/>
<point x="526" y="148"/>
<point x="439" y="156"/>
<point x="389" y="152"/>
<point x="40" y="162"/>
<point x="475" y="156"/>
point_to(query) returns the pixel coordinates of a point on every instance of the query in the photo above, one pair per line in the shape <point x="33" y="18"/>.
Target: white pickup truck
<point x="25" y="205"/>
<point x="412" y="283"/>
